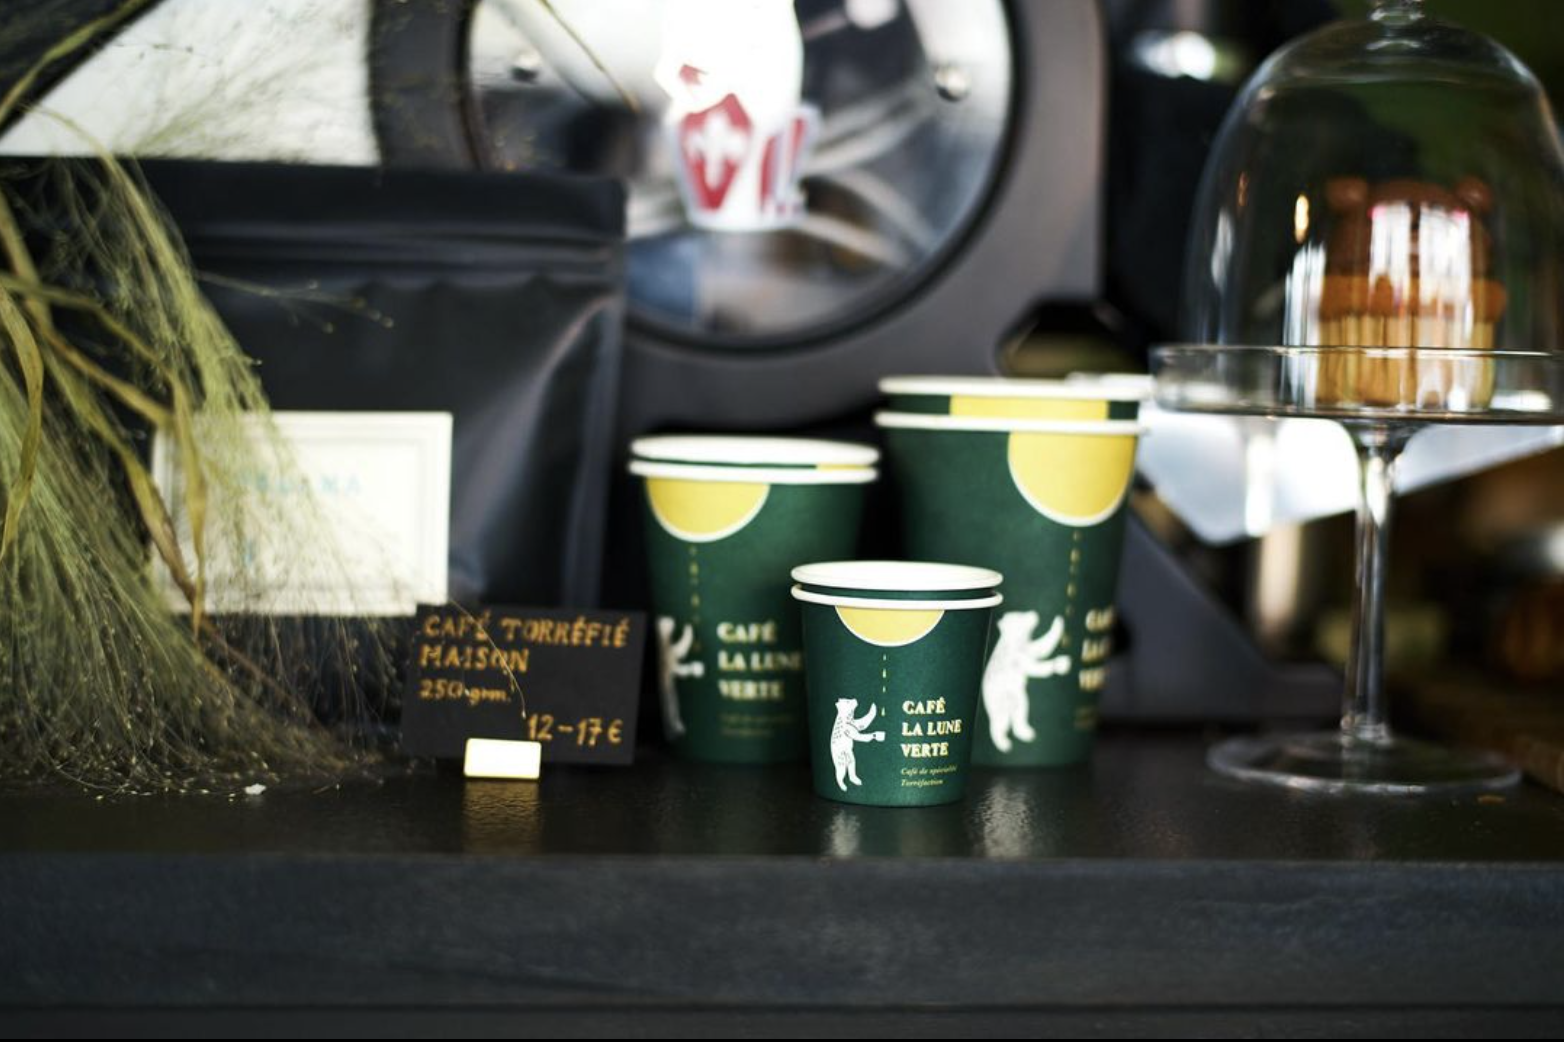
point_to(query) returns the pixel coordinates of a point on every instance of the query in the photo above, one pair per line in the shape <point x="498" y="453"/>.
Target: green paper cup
<point x="1082" y="397"/>
<point x="720" y="541"/>
<point x="1043" y="502"/>
<point x="894" y="652"/>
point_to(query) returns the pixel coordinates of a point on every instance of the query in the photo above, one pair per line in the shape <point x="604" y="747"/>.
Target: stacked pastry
<point x="1407" y="266"/>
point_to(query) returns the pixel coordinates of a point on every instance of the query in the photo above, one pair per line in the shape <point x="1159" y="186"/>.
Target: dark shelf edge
<point x="282" y="931"/>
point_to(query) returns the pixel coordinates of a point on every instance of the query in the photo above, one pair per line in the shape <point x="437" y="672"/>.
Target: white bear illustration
<point x="1017" y="657"/>
<point x="671" y="658"/>
<point x="844" y="733"/>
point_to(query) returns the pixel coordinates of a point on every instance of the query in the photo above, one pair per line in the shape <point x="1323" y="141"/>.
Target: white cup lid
<point x="744" y="450"/>
<point x="897" y="576"/>
<point x="1114" y="387"/>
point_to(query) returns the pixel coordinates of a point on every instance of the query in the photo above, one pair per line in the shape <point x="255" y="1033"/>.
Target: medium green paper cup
<point x="1084" y="397"/>
<point x="894" y="652"/>
<point x="719" y="544"/>
<point x="1042" y="501"/>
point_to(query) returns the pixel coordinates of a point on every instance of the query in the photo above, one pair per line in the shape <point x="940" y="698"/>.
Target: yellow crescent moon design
<point x="1074" y="479"/>
<point x="1029" y="408"/>
<point x="704" y="511"/>
<point x="889" y="627"/>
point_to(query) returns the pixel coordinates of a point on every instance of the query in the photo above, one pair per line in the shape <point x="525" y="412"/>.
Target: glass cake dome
<point x="1379" y="234"/>
<point x="1379" y="240"/>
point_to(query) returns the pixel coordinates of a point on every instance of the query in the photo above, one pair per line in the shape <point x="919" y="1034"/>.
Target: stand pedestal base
<point x="1329" y="762"/>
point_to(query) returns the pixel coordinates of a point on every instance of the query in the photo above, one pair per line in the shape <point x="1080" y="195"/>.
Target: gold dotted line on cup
<point x="885" y="675"/>
<point x="695" y="595"/>
<point x="1071" y="586"/>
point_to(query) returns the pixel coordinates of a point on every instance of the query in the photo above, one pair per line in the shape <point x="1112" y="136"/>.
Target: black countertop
<point x="1141" y="894"/>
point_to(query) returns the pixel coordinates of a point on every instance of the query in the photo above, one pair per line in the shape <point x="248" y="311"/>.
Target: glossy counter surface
<point x="1142" y="883"/>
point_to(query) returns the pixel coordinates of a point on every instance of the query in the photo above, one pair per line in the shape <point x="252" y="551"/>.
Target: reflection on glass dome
<point x="1404" y="264"/>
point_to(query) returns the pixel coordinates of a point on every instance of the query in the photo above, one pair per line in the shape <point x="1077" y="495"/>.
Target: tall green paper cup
<point x="720" y="541"/>
<point x="894" y="652"/>
<point x="1042" y="501"/>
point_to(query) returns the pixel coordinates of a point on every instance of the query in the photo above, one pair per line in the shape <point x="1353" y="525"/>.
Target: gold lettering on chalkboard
<point x="580" y="632"/>
<point x="468" y="656"/>
<point x="442" y="690"/>
<point x="588" y="731"/>
<point x="459" y="627"/>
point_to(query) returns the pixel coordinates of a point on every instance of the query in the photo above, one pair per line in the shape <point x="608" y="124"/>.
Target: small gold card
<point x="497" y="758"/>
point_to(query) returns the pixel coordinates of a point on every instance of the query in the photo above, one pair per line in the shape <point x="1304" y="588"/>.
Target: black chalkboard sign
<point x="564" y="678"/>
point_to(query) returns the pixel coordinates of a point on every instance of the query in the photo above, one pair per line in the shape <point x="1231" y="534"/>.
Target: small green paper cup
<point x="894" y="652"/>
<point x="720" y="541"/>
<point x="1043" y="502"/>
<point x="1082" y="397"/>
